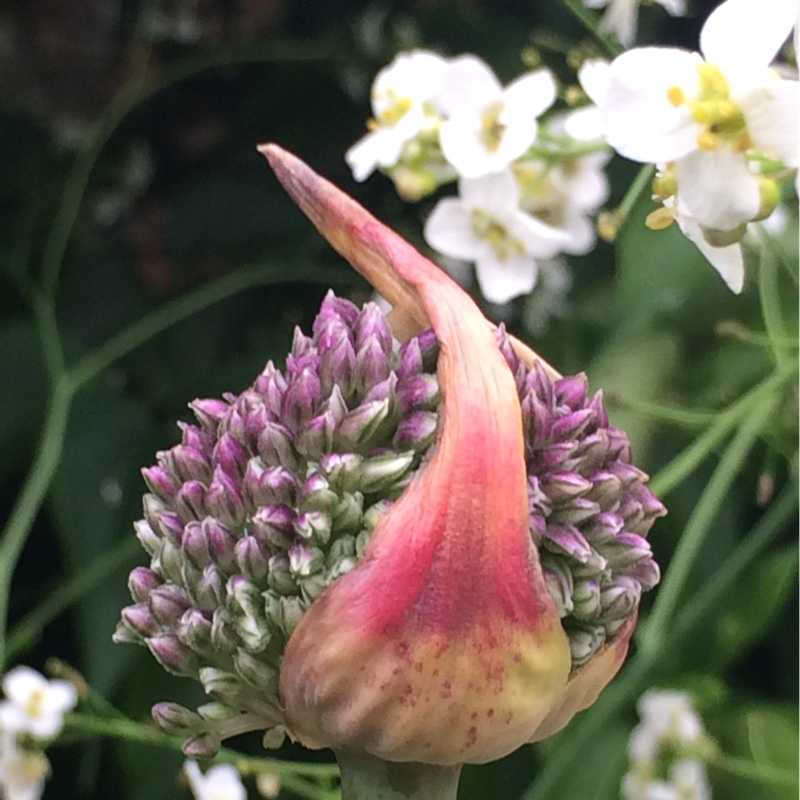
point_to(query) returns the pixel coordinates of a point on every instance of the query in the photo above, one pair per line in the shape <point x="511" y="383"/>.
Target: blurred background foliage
<point x="148" y="257"/>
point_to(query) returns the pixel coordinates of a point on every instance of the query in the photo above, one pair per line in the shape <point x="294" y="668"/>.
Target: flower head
<point x="486" y="126"/>
<point x="403" y="106"/>
<point x="22" y="772"/>
<point x="486" y="224"/>
<point x="726" y="121"/>
<point x="33" y="704"/>
<point x="331" y="552"/>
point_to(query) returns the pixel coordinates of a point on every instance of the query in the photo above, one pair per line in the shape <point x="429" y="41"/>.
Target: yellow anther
<point x="503" y="242"/>
<point x="712" y="80"/>
<point x="703" y="112"/>
<point x="742" y="143"/>
<point x="608" y="225"/>
<point x="675" y="96"/>
<point x="492" y="130"/>
<point x="726" y="109"/>
<point x="665" y="185"/>
<point x="397" y="110"/>
<point x="373" y="124"/>
<point x="660" y="219"/>
<point x="707" y="141"/>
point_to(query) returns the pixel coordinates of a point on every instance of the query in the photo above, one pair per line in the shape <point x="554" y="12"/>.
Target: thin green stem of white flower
<point x="760" y="773"/>
<point x="592" y="24"/>
<point x="769" y="292"/>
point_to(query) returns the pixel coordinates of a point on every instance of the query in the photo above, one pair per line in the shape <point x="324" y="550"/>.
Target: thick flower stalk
<point x="431" y="552"/>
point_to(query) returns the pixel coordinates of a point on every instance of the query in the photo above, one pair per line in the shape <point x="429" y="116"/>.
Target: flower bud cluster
<point x="274" y="495"/>
<point x="265" y="502"/>
<point x="589" y="508"/>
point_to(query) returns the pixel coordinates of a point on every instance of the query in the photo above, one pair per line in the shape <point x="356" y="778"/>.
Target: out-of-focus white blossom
<point x="622" y="16"/>
<point x="221" y="782"/>
<point x="485" y="224"/>
<point x="666" y="750"/>
<point x="486" y="126"/>
<point x="726" y="120"/>
<point x="22" y="772"/>
<point x="403" y="107"/>
<point x="33" y="704"/>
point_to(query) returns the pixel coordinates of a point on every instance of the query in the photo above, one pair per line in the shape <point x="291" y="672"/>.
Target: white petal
<point x="727" y="261"/>
<point x="677" y="8"/>
<point x="416" y="75"/>
<point x="539" y="239"/>
<point x="468" y="86"/>
<point x="449" y="230"/>
<point x="580" y="233"/>
<point x="586" y="185"/>
<point x="496" y="194"/>
<point x="529" y="96"/>
<point x="60" y="696"/>
<point x="620" y="18"/>
<point x="743" y="34"/>
<point x="584" y="124"/>
<point x="503" y="280"/>
<point x="639" y="120"/>
<point x="772" y="119"/>
<point x="374" y="149"/>
<point x="594" y="76"/>
<point x="718" y="189"/>
<point x="21" y="682"/>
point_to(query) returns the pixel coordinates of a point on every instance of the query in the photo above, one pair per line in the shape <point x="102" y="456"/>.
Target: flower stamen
<point x="488" y="227"/>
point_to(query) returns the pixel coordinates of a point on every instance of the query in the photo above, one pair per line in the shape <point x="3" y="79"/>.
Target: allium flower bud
<point x="429" y="552"/>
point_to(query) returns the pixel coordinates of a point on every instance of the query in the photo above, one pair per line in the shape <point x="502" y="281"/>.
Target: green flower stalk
<point x="422" y="553"/>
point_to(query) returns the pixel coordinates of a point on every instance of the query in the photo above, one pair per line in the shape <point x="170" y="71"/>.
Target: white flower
<point x="486" y="127"/>
<point x="22" y="773"/>
<point x="486" y="225"/>
<point x="622" y="15"/>
<point x="716" y="116"/>
<point x="402" y="96"/>
<point x="221" y="782"/>
<point x="33" y="704"/>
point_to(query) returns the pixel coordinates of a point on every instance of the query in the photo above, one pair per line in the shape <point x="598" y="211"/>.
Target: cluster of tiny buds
<point x="274" y="493"/>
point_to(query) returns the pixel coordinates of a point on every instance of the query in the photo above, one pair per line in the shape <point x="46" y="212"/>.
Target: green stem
<point x="653" y="634"/>
<point x="366" y="777"/>
<point x="686" y="418"/>
<point x="769" y="294"/>
<point x="690" y="459"/>
<point x="590" y="21"/>
<point x="641" y="182"/>
<point x="32" y="495"/>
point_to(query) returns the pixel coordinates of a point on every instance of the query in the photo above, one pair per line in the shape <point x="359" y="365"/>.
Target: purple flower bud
<point x="316" y="436"/>
<point x="596" y="405"/>
<point x="416" y="431"/>
<point x="537" y="422"/>
<point x="629" y="476"/>
<point x="195" y="545"/>
<point x="372" y="365"/>
<point x="194" y="630"/>
<point x="209" y="593"/>
<point x="585" y="641"/>
<point x="271" y="385"/>
<point x="220" y="542"/>
<point x="168" y="561"/>
<point x="276" y="445"/>
<point x="141" y="582"/>
<point x="564" y="487"/>
<point x="166" y="524"/>
<point x="313" y="526"/>
<point x="571" y="391"/>
<point x="223" y="499"/>
<point x="646" y="572"/>
<point x="173" y="655"/>
<point x="148" y="538"/>
<point x="409" y="359"/>
<point x="302" y="345"/>
<point x="302" y="396"/>
<point x="627" y="549"/>
<point x="419" y="392"/>
<point x="140" y="620"/>
<point x="274" y="525"/>
<point x="223" y="635"/>
<point x="303" y="560"/>
<point x="265" y="485"/>
<point x="190" y="502"/>
<point x="335" y="307"/>
<point x="222" y="685"/>
<point x="569" y="540"/>
<point x="190" y="463"/>
<point x="252" y="558"/>
<point x="619" y="448"/>
<point x="577" y="511"/>
<point x="204" y="745"/>
<point x="337" y="358"/>
<point x="371" y="327"/>
<point x="605" y="488"/>
<point x="175" y="720"/>
<point x="316" y="494"/>
<point x="603" y="527"/>
<point x="200" y="439"/>
<point x="385" y="390"/>
<point x="560" y="455"/>
<point x="592" y="451"/>
<point x="160" y="482"/>
<point x="168" y="603"/>
<point x="572" y="425"/>
<point x="559" y="584"/>
<point x="280" y="577"/>
<point x="361" y="425"/>
<point x="231" y="455"/>
<point x="342" y="469"/>
<point x="209" y="412"/>
<point x="621" y="599"/>
<point x="380" y="473"/>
